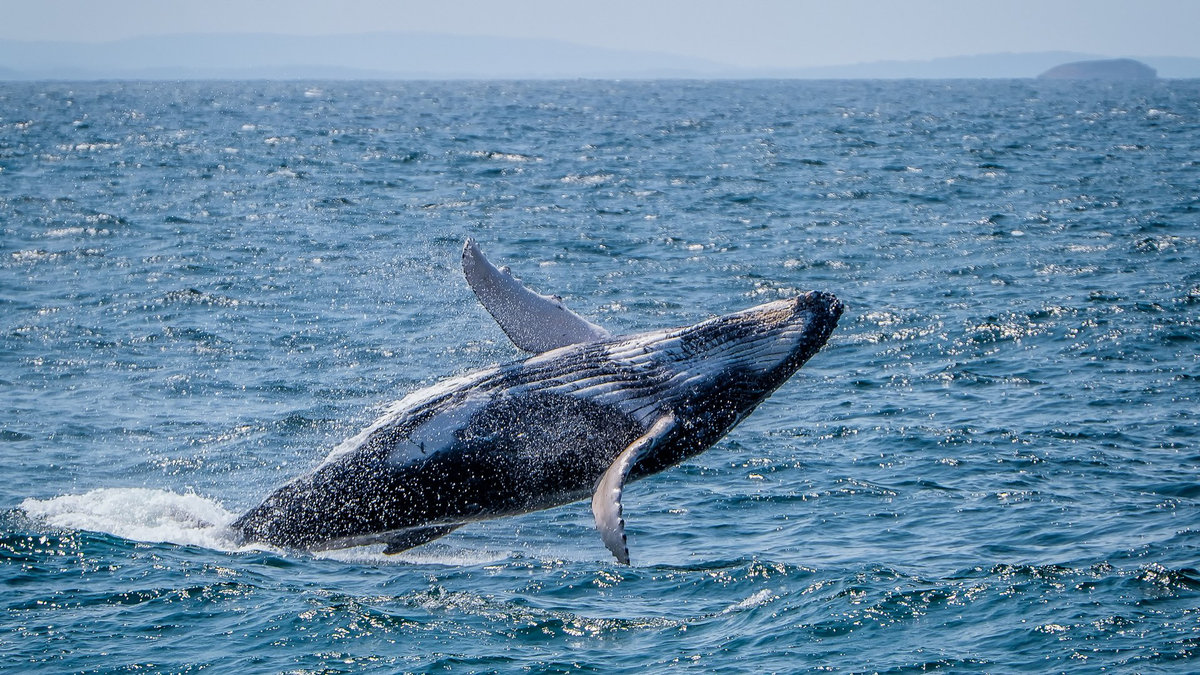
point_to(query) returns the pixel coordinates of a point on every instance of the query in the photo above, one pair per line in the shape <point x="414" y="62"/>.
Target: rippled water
<point x="992" y="467"/>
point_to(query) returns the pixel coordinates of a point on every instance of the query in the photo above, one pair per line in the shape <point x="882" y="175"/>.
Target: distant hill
<point x="1105" y="69"/>
<point x="1004" y="65"/>
<point x="434" y="56"/>
<point x="367" y="56"/>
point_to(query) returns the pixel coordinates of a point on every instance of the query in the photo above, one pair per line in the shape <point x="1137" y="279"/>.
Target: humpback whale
<point x="586" y="414"/>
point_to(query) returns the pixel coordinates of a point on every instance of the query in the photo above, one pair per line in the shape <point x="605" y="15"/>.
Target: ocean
<point x="993" y="466"/>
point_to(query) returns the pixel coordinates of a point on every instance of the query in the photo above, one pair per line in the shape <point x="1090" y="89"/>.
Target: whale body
<point x="585" y="415"/>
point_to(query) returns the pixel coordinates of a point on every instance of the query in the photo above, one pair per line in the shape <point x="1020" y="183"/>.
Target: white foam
<point x="140" y="514"/>
<point x="756" y="600"/>
<point x="161" y="516"/>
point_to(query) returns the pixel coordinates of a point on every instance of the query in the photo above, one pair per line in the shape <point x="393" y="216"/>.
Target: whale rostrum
<point x="587" y="413"/>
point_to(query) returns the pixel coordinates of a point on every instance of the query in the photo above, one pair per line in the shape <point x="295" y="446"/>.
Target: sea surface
<point x="992" y="467"/>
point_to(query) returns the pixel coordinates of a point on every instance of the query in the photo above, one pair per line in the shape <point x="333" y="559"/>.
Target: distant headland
<point x="1107" y="69"/>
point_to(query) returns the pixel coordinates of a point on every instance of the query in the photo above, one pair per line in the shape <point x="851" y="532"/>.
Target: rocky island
<point x="1107" y="69"/>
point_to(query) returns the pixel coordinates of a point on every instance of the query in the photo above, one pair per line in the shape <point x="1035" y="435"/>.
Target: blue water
<point x="993" y="466"/>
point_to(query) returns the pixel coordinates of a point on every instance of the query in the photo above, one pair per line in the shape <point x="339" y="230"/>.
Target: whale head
<point x="718" y="370"/>
<point x="767" y="343"/>
<point x="711" y="375"/>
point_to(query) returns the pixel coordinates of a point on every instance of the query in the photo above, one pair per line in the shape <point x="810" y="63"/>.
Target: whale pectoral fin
<point x="606" y="501"/>
<point x="534" y="322"/>
<point x="402" y="541"/>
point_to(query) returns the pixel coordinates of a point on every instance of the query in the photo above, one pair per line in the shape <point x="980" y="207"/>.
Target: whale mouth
<point x="778" y="337"/>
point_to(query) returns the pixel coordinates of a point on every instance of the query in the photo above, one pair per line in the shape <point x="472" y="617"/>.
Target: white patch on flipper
<point x="534" y="322"/>
<point x="406" y="405"/>
<point x="606" y="501"/>
<point x="438" y="432"/>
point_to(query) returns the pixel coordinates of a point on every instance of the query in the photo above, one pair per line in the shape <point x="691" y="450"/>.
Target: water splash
<point x="140" y="514"/>
<point x="162" y="516"/>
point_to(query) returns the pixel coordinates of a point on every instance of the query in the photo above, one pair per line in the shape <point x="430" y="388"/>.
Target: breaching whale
<point x="585" y="415"/>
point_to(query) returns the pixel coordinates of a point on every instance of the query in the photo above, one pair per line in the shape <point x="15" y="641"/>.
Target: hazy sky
<point x="740" y="32"/>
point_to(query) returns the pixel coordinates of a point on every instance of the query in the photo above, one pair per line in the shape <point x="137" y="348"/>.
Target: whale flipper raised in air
<point x="534" y="322"/>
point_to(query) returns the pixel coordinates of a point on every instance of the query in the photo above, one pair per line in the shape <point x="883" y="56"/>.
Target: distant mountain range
<point x="434" y="56"/>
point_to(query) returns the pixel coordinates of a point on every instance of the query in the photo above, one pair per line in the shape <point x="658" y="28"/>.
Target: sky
<point x="748" y="33"/>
